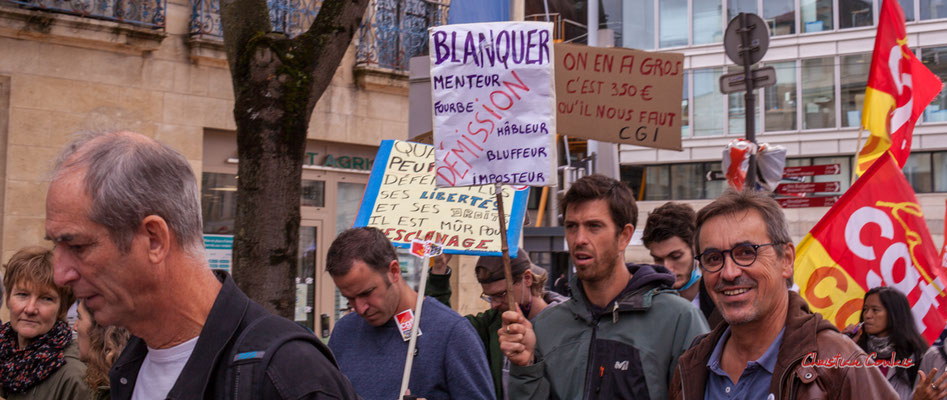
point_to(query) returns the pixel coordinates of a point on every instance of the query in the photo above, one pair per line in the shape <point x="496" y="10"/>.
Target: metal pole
<point x="749" y="98"/>
<point x="592" y="39"/>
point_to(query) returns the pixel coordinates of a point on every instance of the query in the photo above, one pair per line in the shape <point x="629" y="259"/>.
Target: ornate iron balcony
<point x="396" y="30"/>
<point x="292" y="17"/>
<point x="392" y="32"/>
<point x="145" y="13"/>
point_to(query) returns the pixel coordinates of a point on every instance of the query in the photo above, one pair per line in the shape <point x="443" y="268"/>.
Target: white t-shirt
<point x="160" y="370"/>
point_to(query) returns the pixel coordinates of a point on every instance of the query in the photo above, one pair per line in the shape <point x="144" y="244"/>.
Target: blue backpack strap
<point x="254" y="350"/>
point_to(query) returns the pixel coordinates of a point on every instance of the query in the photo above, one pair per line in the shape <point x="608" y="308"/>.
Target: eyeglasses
<point x="743" y="254"/>
<point x="489" y="299"/>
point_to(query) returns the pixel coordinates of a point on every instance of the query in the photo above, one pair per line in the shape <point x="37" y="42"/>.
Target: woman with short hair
<point x="38" y="359"/>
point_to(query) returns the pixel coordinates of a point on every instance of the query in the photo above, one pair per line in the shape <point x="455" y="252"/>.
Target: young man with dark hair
<point x="743" y="246"/>
<point x="621" y="333"/>
<point x="669" y="237"/>
<point x="371" y="344"/>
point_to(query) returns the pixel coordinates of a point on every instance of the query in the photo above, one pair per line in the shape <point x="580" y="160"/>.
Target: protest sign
<point x="494" y="104"/>
<point x="619" y="95"/>
<point x="402" y="201"/>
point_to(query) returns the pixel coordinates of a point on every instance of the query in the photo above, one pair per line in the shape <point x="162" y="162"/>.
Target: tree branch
<point x="324" y="44"/>
<point x="241" y="21"/>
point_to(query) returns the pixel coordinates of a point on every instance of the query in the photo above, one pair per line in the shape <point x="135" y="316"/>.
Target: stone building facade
<point x="159" y="68"/>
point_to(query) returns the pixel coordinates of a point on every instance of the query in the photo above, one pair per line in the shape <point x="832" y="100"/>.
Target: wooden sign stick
<point x="505" y="249"/>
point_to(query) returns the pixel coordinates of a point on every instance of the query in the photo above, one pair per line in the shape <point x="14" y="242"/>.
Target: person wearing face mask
<point x="528" y="292"/>
<point x="38" y="358"/>
<point x="669" y="237"/>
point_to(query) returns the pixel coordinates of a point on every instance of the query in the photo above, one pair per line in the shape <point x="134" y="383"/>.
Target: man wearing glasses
<point x="528" y="292"/>
<point x="769" y="341"/>
<point x="620" y="335"/>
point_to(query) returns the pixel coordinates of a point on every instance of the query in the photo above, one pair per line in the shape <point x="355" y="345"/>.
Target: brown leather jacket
<point x="805" y="333"/>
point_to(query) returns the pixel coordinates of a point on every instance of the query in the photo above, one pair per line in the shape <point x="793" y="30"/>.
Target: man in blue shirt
<point x="770" y="344"/>
<point x="449" y="361"/>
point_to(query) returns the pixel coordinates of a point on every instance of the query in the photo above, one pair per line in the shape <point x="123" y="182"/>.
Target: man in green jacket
<point x="620" y="335"/>
<point x="528" y="292"/>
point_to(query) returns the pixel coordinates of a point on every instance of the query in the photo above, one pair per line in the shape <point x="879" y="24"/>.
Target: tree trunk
<point x="277" y="81"/>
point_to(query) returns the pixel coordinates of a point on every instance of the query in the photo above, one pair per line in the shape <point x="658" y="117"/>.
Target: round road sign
<point x="758" y="38"/>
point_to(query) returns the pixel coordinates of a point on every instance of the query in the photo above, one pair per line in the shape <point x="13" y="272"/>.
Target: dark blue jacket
<point x="297" y="371"/>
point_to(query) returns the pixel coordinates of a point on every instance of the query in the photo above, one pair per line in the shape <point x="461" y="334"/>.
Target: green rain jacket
<point x="627" y="350"/>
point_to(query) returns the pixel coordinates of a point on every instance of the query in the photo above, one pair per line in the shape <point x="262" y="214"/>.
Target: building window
<point x="348" y="198"/>
<point x="685" y="181"/>
<point x="939" y="160"/>
<point x="933" y="9"/>
<point x="673" y="16"/>
<point x="313" y="194"/>
<point x="708" y="103"/>
<point x="706" y="23"/>
<point x="612" y="19"/>
<point x="780" y="15"/>
<point x="854" y="13"/>
<point x="935" y="58"/>
<point x="907" y="6"/>
<point x="638" y="24"/>
<point x="854" y="79"/>
<point x="736" y="111"/>
<point x="657" y="183"/>
<point x="685" y="106"/>
<point x="918" y="171"/>
<point x="780" y="100"/>
<point x="218" y="202"/>
<point x="816" y="15"/>
<point x="735" y="7"/>
<point x="818" y="93"/>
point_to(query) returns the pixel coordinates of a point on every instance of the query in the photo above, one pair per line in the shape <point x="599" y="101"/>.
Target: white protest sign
<point x="402" y="201"/>
<point x="494" y="96"/>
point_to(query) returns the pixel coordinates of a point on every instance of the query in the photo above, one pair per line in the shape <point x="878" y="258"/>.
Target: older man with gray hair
<point x="124" y="213"/>
<point x="770" y="343"/>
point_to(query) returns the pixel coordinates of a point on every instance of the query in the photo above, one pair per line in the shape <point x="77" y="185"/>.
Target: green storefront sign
<point x="337" y="161"/>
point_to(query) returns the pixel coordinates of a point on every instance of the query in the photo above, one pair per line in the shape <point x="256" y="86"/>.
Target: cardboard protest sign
<point x="494" y="104"/>
<point x="619" y="95"/>
<point x="402" y="201"/>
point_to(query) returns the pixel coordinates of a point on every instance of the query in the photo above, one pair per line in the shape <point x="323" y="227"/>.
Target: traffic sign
<point x="807" y="187"/>
<point x="716" y="176"/>
<point x="736" y="81"/>
<point x="802" y="202"/>
<point x="810" y="170"/>
<point x="757" y="42"/>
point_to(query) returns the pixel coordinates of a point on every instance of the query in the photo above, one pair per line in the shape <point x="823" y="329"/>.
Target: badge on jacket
<point x="405" y="321"/>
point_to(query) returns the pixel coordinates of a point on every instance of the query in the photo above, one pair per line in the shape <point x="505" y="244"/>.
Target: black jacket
<point x="298" y="370"/>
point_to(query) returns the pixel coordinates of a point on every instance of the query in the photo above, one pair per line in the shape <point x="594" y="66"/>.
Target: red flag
<point x="874" y="236"/>
<point x="943" y="250"/>
<point x="899" y="88"/>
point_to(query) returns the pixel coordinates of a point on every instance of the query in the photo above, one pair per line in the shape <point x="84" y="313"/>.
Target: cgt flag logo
<point x="899" y="88"/>
<point x="875" y="235"/>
